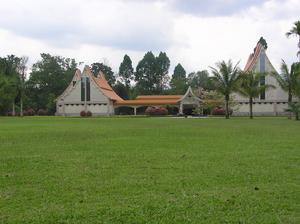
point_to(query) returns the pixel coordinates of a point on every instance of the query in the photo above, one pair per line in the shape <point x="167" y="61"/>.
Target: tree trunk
<point x="297" y="116"/>
<point x="13" y="109"/>
<point x="290" y="100"/>
<point x="299" y="49"/>
<point x="21" y="106"/>
<point x="227" y="106"/>
<point x="251" y="107"/>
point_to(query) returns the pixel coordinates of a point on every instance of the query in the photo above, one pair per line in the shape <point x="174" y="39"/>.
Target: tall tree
<point x="48" y="79"/>
<point x="161" y="73"/>
<point x="22" y="68"/>
<point x="126" y="71"/>
<point x="145" y="74"/>
<point x="287" y="79"/>
<point x="200" y="80"/>
<point x="8" y="92"/>
<point x="109" y="74"/>
<point x="179" y="81"/>
<point x="295" y="31"/>
<point x="249" y="86"/>
<point x="226" y="79"/>
<point x="9" y="67"/>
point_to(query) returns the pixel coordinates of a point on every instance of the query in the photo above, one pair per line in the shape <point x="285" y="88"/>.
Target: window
<point x="83" y="89"/>
<point x="88" y="89"/>
<point x="262" y="69"/>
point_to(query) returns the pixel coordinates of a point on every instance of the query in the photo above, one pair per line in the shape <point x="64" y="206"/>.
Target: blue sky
<point x="193" y="32"/>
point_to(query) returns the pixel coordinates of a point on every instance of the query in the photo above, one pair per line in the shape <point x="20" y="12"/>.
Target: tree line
<point x="50" y="76"/>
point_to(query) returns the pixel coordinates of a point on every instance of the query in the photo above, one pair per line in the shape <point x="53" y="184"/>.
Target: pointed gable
<point x="252" y="60"/>
<point x="75" y="79"/>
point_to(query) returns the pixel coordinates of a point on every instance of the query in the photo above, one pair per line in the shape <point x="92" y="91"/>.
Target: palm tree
<point x="226" y="76"/>
<point x="294" y="108"/>
<point x="249" y="86"/>
<point x="288" y="79"/>
<point x="295" y="31"/>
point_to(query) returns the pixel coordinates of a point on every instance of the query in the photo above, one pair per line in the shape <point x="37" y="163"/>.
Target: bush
<point x="82" y="113"/>
<point x="42" y="112"/>
<point x="89" y="114"/>
<point x="219" y="111"/>
<point x="29" y="112"/>
<point x="156" y="111"/>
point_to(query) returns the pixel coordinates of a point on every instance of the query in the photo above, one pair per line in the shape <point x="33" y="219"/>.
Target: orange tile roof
<point x="152" y="100"/>
<point x="105" y="87"/>
<point x="147" y="102"/>
<point x="159" y="97"/>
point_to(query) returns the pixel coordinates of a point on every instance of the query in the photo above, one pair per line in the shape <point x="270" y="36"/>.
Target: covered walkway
<point x="179" y="101"/>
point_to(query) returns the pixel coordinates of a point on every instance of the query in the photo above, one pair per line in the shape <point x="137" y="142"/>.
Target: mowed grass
<point x="149" y="170"/>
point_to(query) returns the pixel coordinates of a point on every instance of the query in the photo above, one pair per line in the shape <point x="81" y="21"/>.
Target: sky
<point x="195" y="33"/>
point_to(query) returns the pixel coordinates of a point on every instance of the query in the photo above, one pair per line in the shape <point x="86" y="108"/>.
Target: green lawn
<point x="149" y="170"/>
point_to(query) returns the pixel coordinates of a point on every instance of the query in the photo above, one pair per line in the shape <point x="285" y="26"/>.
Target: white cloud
<point x="92" y="30"/>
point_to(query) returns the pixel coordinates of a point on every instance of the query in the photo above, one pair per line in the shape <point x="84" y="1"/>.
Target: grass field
<point x="149" y="170"/>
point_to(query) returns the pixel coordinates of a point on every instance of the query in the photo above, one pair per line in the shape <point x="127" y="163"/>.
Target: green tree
<point x="9" y="67"/>
<point x="107" y="71"/>
<point x="121" y="90"/>
<point x="22" y="74"/>
<point x="145" y="74"/>
<point x="226" y="79"/>
<point x="8" y="92"/>
<point x="295" y="31"/>
<point x="126" y="71"/>
<point x="294" y="108"/>
<point x="48" y="79"/>
<point x="179" y="81"/>
<point x="200" y="80"/>
<point x="287" y="79"/>
<point x="161" y="73"/>
<point x="151" y="74"/>
<point x="249" y="86"/>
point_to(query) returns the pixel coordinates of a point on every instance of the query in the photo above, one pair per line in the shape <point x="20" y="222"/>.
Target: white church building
<point x="273" y="101"/>
<point x="87" y="92"/>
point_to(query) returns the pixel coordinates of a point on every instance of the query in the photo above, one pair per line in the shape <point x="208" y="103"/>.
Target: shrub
<point x="156" y="111"/>
<point x="29" y="112"/>
<point x="89" y="114"/>
<point x="219" y="111"/>
<point x="42" y="112"/>
<point x="82" y="113"/>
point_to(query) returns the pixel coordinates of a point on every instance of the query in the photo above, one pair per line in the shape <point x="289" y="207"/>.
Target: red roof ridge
<point x="253" y="57"/>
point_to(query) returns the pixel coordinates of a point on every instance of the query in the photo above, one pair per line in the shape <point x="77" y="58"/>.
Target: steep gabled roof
<point x="253" y="57"/>
<point x="102" y="84"/>
<point x="76" y="77"/>
<point x="106" y="88"/>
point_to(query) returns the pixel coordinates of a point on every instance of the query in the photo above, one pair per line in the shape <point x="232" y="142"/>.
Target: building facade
<point x="273" y="101"/>
<point x="87" y="92"/>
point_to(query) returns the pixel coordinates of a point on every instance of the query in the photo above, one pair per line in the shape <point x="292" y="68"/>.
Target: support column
<point x="180" y="108"/>
<point x="275" y="108"/>
<point x="134" y="110"/>
<point x="64" y="109"/>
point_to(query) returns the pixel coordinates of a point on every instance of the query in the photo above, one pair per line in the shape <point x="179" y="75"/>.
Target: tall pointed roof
<point x="105" y="87"/>
<point x="102" y="84"/>
<point x="253" y="57"/>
